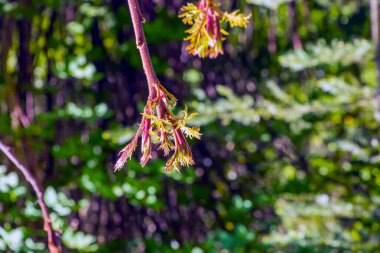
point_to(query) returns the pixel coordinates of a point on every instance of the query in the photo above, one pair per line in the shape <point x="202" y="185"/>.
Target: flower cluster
<point x="160" y="126"/>
<point x="205" y="33"/>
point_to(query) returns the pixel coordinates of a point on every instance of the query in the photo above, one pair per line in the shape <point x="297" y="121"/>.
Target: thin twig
<point x="53" y="238"/>
<point x="272" y="45"/>
<point x="297" y="44"/>
<point x="137" y="20"/>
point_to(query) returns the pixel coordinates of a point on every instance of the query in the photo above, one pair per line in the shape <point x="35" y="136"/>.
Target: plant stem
<point x="137" y="20"/>
<point x="296" y="40"/>
<point x="53" y="238"/>
<point x="272" y="46"/>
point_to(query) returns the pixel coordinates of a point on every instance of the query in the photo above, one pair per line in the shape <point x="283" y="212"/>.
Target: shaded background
<point x="289" y="157"/>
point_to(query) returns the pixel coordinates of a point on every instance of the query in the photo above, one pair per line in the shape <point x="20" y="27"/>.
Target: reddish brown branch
<point x="158" y="104"/>
<point x="53" y="238"/>
<point x="137" y="20"/>
<point x="297" y="44"/>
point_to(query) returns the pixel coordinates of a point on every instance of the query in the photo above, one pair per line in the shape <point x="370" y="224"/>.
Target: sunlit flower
<point x="206" y="34"/>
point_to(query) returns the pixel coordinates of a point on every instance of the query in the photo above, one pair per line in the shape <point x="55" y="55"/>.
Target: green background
<point x="289" y="157"/>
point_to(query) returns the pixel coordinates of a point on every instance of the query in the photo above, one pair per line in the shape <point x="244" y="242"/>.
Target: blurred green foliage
<point x="289" y="157"/>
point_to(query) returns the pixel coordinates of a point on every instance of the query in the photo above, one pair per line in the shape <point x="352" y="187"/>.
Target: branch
<point x="137" y="20"/>
<point x="157" y="116"/>
<point x="297" y="44"/>
<point x="53" y="238"/>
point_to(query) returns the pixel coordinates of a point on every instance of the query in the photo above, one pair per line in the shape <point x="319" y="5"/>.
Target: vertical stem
<point x="272" y="46"/>
<point x="297" y="44"/>
<point x="137" y="20"/>
<point x="53" y="239"/>
<point x="374" y="9"/>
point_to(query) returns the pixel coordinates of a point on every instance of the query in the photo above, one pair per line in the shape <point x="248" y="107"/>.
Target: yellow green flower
<point x="206" y="33"/>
